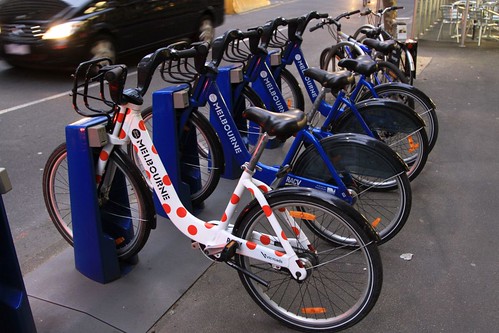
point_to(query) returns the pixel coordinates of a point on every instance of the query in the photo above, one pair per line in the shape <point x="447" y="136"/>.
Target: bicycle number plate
<point x="18" y="49"/>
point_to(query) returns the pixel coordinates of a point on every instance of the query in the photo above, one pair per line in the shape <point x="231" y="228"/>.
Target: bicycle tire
<point x="388" y="72"/>
<point x="404" y="63"/>
<point x="291" y="90"/>
<point x="57" y="200"/>
<point x="415" y="99"/>
<point x="330" y="56"/>
<point x="343" y="283"/>
<point x="209" y="158"/>
<point x="365" y="169"/>
<point x="393" y="123"/>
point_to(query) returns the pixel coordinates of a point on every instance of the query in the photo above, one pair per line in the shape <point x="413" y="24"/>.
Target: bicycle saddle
<point x="335" y="81"/>
<point x="384" y="47"/>
<point x="281" y="125"/>
<point x="363" y="64"/>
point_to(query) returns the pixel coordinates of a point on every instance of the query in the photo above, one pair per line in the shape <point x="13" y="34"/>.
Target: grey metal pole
<point x="464" y="22"/>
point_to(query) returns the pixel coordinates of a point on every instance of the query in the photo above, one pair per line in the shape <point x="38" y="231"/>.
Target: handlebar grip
<point x="320" y="25"/>
<point x="312" y="15"/>
<point x="252" y="32"/>
<point x="353" y="12"/>
<point x="397" y="7"/>
<point x="180" y="54"/>
<point x="115" y="73"/>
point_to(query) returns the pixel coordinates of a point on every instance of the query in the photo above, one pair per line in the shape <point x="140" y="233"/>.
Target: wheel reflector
<point x="302" y="215"/>
<point x="313" y="310"/>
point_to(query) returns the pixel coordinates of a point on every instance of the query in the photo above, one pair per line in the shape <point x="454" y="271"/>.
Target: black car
<point x="63" y="33"/>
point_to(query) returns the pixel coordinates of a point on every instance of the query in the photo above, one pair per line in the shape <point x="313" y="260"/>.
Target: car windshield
<point x="34" y="9"/>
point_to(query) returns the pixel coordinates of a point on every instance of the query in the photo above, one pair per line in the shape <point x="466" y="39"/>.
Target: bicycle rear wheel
<point x="342" y="284"/>
<point x="379" y="187"/>
<point x="136" y="207"/>
<point x="413" y="98"/>
<point x="394" y="124"/>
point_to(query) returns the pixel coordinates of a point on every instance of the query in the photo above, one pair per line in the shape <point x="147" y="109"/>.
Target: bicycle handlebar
<point x="297" y="25"/>
<point x="334" y="21"/>
<point x="148" y="64"/>
<point x="220" y="45"/>
<point x="380" y="12"/>
<point x="268" y="30"/>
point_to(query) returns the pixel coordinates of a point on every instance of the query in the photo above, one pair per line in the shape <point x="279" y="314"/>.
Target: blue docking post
<point x="227" y="76"/>
<point x="167" y="105"/>
<point x="94" y="249"/>
<point x="15" y="311"/>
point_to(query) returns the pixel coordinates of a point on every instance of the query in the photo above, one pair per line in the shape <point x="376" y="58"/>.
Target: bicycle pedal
<point x="229" y="250"/>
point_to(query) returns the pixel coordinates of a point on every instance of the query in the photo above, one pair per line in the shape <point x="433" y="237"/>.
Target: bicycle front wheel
<point x="131" y="201"/>
<point x="202" y="166"/>
<point x="388" y="72"/>
<point x="291" y="90"/>
<point x="342" y="283"/>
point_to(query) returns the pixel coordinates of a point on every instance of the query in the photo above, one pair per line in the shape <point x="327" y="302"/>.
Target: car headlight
<point x="63" y="30"/>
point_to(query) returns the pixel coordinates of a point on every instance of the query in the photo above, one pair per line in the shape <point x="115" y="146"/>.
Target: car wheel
<point x="206" y="29"/>
<point x="103" y="47"/>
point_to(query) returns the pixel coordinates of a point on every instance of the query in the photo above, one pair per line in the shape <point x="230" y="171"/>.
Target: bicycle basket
<point x="238" y="51"/>
<point x="89" y="87"/>
<point x="278" y="40"/>
<point x="179" y="70"/>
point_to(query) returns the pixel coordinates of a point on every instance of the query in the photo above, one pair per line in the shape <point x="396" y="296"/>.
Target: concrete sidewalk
<point x="450" y="284"/>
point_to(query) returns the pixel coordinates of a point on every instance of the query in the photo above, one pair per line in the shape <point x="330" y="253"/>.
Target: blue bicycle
<point x="360" y="170"/>
<point x="391" y="121"/>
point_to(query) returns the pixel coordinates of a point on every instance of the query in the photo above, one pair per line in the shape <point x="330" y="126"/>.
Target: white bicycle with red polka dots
<point x="286" y="244"/>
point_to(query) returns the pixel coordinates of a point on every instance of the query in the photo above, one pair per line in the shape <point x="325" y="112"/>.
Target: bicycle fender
<point x="326" y="198"/>
<point x="144" y="189"/>
<point x="404" y="86"/>
<point x="352" y="152"/>
<point x="382" y="113"/>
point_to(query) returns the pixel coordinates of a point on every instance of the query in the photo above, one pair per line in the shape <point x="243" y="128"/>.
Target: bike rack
<point x="165" y="138"/>
<point x="227" y="76"/>
<point x="15" y="311"/>
<point x="94" y="249"/>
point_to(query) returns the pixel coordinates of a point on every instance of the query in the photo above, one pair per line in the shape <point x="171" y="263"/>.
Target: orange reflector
<point x="302" y="215"/>
<point x="313" y="310"/>
<point x="119" y="240"/>
<point x="412" y="145"/>
<point x="290" y="103"/>
<point x="376" y="222"/>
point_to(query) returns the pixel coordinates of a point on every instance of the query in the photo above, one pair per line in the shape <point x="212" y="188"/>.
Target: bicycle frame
<point x="293" y="54"/>
<point x="215" y="234"/>
<point x="207" y="91"/>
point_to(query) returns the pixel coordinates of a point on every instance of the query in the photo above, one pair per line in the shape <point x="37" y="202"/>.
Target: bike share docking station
<point x="94" y="249"/>
<point x="94" y="234"/>
<point x="266" y="87"/>
<point x="15" y="311"/>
